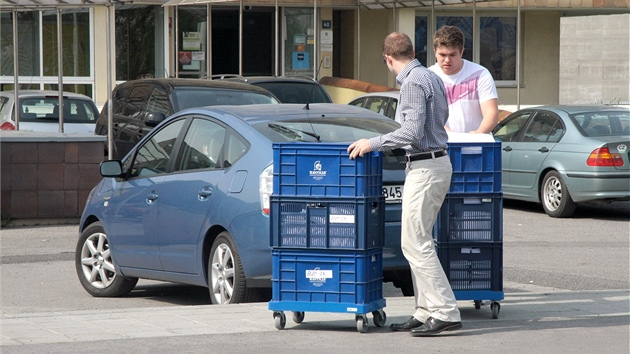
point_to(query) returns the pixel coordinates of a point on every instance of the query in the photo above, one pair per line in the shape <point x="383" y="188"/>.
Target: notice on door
<point x="191" y="41"/>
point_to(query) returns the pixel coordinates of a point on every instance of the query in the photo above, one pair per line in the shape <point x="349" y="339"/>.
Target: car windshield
<point x="46" y="110"/>
<point x="604" y="123"/>
<point x="296" y="92"/>
<point x="192" y="97"/>
<point x="333" y="130"/>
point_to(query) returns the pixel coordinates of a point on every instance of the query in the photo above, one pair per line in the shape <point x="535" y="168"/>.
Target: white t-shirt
<point x="472" y="85"/>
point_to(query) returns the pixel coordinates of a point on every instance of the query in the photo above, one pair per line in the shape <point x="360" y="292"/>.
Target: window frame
<point x="476" y="37"/>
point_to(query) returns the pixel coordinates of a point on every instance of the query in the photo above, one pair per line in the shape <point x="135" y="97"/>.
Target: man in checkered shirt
<point x="422" y="112"/>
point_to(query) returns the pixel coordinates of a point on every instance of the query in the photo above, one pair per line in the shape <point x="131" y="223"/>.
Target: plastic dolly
<point x="379" y="319"/>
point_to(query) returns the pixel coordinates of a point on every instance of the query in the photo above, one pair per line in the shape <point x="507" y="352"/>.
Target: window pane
<point x="298" y="55"/>
<point x="465" y="25"/>
<point x="421" y="39"/>
<point x="498" y="46"/>
<point x="136" y="42"/>
<point x="202" y="145"/>
<point x="154" y="156"/>
<point x="192" y="41"/>
<point x="75" y="28"/>
<point x="28" y="43"/>
<point x="509" y="130"/>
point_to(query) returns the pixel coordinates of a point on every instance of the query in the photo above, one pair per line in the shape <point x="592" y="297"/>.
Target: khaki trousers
<point x="426" y="184"/>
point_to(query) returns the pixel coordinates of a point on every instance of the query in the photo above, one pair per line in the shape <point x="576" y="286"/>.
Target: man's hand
<point x="359" y="148"/>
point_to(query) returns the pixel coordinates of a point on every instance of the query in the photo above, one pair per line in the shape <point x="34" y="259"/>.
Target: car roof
<point x="260" y="79"/>
<point x="218" y="84"/>
<point x="41" y="93"/>
<point x="259" y="113"/>
<point x="392" y="93"/>
<point x="576" y="109"/>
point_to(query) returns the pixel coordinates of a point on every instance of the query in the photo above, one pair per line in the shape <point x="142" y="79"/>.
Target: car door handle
<point x="152" y="197"/>
<point x="204" y="193"/>
<point x="507" y="148"/>
<point x="543" y="149"/>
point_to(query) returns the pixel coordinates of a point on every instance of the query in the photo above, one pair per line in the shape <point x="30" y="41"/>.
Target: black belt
<point x="426" y="155"/>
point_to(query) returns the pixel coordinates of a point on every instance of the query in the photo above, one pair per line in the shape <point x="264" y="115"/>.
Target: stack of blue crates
<point x="469" y="228"/>
<point x="327" y="228"/>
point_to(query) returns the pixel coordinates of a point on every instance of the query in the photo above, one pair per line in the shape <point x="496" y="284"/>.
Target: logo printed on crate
<point x="318" y="276"/>
<point x="317" y="172"/>
<point x="341" y="219"/>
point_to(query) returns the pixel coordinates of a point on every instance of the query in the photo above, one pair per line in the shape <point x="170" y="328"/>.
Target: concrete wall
<point x="540" y="50"/>
<point x="594" y="64"/>
<point x="374" y="26"/>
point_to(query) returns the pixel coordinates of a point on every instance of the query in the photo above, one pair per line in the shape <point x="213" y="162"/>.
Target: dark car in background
<point x="191" y="202"/>
<point x="139" y="105"/>
<point x="286" y="89"/>
<point x="563" y="155"/>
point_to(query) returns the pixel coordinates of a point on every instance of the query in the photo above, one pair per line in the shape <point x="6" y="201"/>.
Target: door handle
<point x="152" y="197"/>
<point x="507" y="148"/>
<point x="204" y="193"/>
<point x="543" y="149"/>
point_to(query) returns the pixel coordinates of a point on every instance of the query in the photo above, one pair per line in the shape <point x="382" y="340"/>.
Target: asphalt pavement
<point x="533" y="319"/>
<point x="536" y="322"/>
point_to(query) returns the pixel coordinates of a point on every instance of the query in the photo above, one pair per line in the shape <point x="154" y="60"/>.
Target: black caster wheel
<point x="279" y="319"/>
<point x="379" y="318"/>
<point x="298" y="317"/>
<point x="362" y="323"/>
<point x="496" y="308"/>
<point x="477" y="304"/>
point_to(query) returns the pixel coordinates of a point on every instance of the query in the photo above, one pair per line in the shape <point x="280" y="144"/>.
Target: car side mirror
<point x="111" y="168"/>
<point x="153" y="119"/>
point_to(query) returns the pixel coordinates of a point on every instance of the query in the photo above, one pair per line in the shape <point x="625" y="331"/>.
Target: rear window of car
<point x="296" y="92"/>
<point x="333" y="130"/>
<point x="192" y="97"/>
<point x="46" y="110"/>
<point x="3" y="104"/>
<point x="609" y="123"/>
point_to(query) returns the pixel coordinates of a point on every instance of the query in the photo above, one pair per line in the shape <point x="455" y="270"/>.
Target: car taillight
<point x="603" y="157"/>
<point x="7" y="126"/>
<point x="266" y="188"/>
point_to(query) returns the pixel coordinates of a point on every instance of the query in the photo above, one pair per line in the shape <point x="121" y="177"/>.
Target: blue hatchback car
<point x="190" y="203"/>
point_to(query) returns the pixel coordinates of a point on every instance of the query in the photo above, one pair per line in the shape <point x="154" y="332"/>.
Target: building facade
<point x="539" y="51"/>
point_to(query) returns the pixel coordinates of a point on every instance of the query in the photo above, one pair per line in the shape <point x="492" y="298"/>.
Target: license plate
<point x="393" y="193"/>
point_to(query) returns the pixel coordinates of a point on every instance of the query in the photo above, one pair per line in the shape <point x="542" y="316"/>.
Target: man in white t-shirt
<point x="472" y="96"/>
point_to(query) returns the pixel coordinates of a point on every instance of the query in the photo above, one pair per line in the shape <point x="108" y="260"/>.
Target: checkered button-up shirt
<point x="422" y="112"/>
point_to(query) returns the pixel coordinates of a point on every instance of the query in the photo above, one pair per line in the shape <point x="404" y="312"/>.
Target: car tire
<point x="555" y="197"/>
<point x="226" y="279"/>
<point x="93" y="262"/>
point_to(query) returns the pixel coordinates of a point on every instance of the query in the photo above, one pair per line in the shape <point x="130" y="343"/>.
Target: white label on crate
<point x="471" y="201"/>
<point x="317" y="173"/>
<point x="352" y="309"/>
<point x="341" y="219"/>
<point x="319" y="274"/>
<point x="471" y="250"/>
<point x="470" y="150"/>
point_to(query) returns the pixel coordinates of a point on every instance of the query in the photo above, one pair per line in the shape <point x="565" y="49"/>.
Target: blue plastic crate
<point x="476" y="167"/>
<point x="473" y="266"/>
<point x="338" y="223"/>
<point x="327" y="281"/>
<point x="325" y="170"/>
<point x="470" y="218"/>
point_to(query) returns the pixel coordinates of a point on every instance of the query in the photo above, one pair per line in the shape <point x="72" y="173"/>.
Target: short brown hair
<point x="449" y="36"/>
<point x="399" y="46"/>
